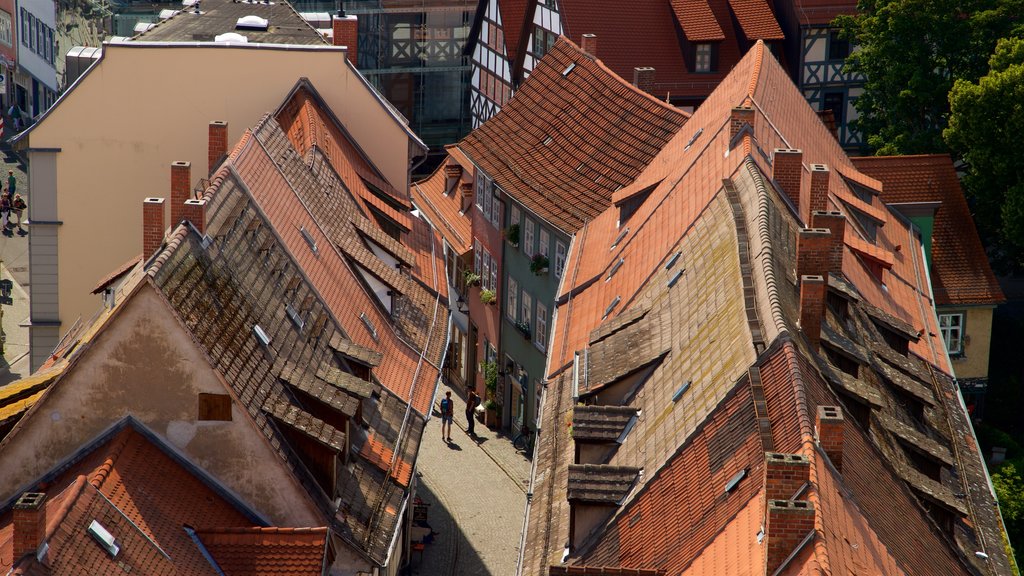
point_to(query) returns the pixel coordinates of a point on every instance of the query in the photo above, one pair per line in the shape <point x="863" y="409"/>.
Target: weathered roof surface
<point x="960" y="271"/>
<point x="600" y="484"/>
<point x="822" y="12"/>
<point x="266" y="551"/>
<point x="600" y="423"/>
<point x="285" y="26"/>
<point x="574" y="133"/>
<point x="441" y="203"/>
<point x="713" y="252"/>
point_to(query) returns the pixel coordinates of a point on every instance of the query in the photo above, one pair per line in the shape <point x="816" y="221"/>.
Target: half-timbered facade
<point x="825" y="84"/>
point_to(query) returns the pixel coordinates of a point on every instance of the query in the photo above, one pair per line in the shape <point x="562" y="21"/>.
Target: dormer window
<point x="702" y="59"/>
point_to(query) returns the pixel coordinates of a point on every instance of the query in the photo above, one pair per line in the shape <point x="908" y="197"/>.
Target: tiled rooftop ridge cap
<point x="101" y="473"/>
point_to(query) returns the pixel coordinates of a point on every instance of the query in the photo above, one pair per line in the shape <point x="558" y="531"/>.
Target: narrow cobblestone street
<point x="476" y="489"/>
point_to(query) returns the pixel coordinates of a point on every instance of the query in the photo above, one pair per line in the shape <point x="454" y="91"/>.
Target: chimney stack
<point x="812" y="308"/>
<point x="740" y="116"/>
<point x="453" y="171"/>
<point x="218" y="147"/>
<point x="195" y="212"/>
<point x="812" y="252"/>
<point x="788" y="173"/>
<point x="29" y="523"/>
<point x="181" y="189"/>
<point x="829" y="426"/>
<point x="785" y="475"/>
<point x="786" y="526"/>
<point x="836" y="224"/>
<point x="152" y="226"/>
<point x="817" y="193"/>
<point x="589" y="44"/>
<point x="643" y="78"/>
<point x="346" y="33"/>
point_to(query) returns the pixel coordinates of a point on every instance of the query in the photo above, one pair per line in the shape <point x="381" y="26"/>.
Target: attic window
<point x="735" y="480"/>
<point x="619" y="238"/>
<point x="672" y="261"/>
<point x="681" y="390"/>
<point x="548" y="140"/>
<point x="294" y="316"/>
<point x="252" y="22"/>
<point x="675" y="277"/>
<point x="104" y="538"/>
<point x="611" y="307"/>
<point x="693" y="139"/>
<point x="309" y="239"/>
<point x="615" y="268"/>
<point x="568" y="69"/>
<point x="369" y="325"/>
<point x="261" y="335"/>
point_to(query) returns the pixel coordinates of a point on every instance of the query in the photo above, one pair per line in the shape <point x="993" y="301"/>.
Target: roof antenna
<point x="341" y="8"/>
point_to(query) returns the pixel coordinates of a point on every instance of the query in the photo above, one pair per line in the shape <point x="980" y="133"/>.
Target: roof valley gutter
<point x="202" y="549"/>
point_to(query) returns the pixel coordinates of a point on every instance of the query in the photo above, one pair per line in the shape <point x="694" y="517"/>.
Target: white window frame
<point x="513" y="299"/>
<point x="951" y="326"/>
<point x="528" y="237"/>
<point x="477" y="258"/>
<point x="540" y="333"/>
<point x="702" y="60"/>
<point x="495" y="214"/>
<point x="479" y="200"/>
<point x="560" y="253"/>
<point x="545" y="242"/>
<point x="526" y="310"/>
<point x="494" y="274"/>
<point x="513" y="214"/>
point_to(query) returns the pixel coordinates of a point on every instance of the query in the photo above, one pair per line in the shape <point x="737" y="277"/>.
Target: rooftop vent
<point x="105" y="538"/>
<point x="672" y="261"/>
<point x="369" y="325"/>
<point x="294" y="316"/>
<point x="735" y="480"/>
<point x="261" y="335"/>
<point x="141" y="27"/>
<point x="611" y="307"/>
<point x="681" y="390"/>
<point x="231" y="37"/>
<point x="309" y="239"/>
<point x="568" y="69"/>
<point x="619" y="238"/>
<point x="167" y="13"/>
<point x="252" y="22"/>
<point x="693" y="139"/>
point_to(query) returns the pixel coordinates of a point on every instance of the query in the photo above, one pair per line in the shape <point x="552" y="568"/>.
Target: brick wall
<point x="346" y="33"/>
<point x="812" y="252"/>
<point x="829" y="426"/>
<point x="835" y="222"/>
<point x="181" y="189"/>
<point x="29" y="519"/>
<point x="195" y="212"/>
<point x="812" y="307"/>
<point x="152" y="226"/>
<point x="787" y="525"/>
<point x="816" y="196"/>
<point x="643" y="78"/>
<point x="788" y="172"/>
<point x="740" y="116"/>
<point x="588" y="44"/>
<point x="218" y="147"/>
<point x="784" y="474"/>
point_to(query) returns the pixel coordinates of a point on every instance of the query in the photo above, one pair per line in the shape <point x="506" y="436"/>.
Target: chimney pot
<point x="453" y="170"/>
<point x="817" y="194"/>
<point x="589" y="44"/>
<point x="836" y="224"/>
<point x="152" y="226"/>
<point x="346" y="33"/>
<point x="29" y="516"/>
<point x="829" y="426"/>
<point x="812" y="308"/>
<point x="787" y="524"/>
<point x="785" y="474"/>
<point x="181" y="189"/>
<point x="218" y="144"/>
<point x="195" y="212"/>
<point x="741" y="115"/>
<point x="643" y="78"/>
<point x="788" y="173"/>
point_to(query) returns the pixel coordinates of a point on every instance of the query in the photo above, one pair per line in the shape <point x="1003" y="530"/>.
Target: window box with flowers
<point x="539" y="264"/>
<point x="524" y="329"/>
<point x="472" y="278"/>
<point x="512" y="234"/>
<point x="488" y="296"/>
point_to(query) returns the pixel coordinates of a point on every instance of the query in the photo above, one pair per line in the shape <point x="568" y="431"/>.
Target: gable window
<point x="559" y="259"/>
<point x="838" y="48"/>
<point x="540" y="335"/>
<point x="513" y="299"/>
<point x="702" y="62"/>
<point x="952" y="328"/>
<point x="528" y="246"/>
<point x="545" y="242"/>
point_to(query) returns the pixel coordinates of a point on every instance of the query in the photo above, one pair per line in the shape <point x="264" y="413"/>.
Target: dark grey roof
<point x="217" y="17"/>
<point x="600" y="483"/>
<point x="595" y="423"/>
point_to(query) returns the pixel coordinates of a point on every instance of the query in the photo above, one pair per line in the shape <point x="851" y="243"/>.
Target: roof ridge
<point x="755" y="73"/>
<point x="70" y="496"/>
<point x="262" y="530"/>
<point x="102" y="472"/>
<point x="170" y="247"/>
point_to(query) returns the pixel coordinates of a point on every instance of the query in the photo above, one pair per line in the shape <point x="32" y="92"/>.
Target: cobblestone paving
<point x="476" y="489"/>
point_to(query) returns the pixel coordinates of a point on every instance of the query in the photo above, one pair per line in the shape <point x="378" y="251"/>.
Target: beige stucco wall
<point x="144" y="106"/>
<point x="977" y="341"/>
<point x="144" y="364"/>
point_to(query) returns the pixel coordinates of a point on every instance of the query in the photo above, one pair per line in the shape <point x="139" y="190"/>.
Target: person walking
<point x="5" y="212"/>
<point x="12" y="182"/>
<point x="471" y="403"/>
<point x="18" y="206"/>
<point x="447" y="413"/>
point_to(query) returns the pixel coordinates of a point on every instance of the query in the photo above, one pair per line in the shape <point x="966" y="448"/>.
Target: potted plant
<point x="488" y="296"/>
<point x="512" y="234"/>
<point x="524" y="328"/>
<point x="539" y="264"/>
<point x="472" y="278"/>
<point x="491" y="406"/>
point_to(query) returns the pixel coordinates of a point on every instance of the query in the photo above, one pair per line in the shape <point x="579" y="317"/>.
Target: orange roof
<point x="822" y="12"/>
<point x="960" y="271"/>
<point x="266" y="551"/>
<point x="573" y="135"/>
<point x="756" y="20"/>
<point x="443" y="209"/>
<point x="697" y="20"/>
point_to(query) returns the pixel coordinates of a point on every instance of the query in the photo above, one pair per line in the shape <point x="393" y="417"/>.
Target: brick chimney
<point x="785" y="474"/>
<point x="812" y="251"/>
<point x="816" y="196"/>
<point x="195" y="212"/>
<point x="740" y="116"/>
<point x="812" y="308"/>
<point x="786" y="526"/>
<point x="467" y="190"/>
<point x="181" y="189"/>
<point x="152" y="226"/>
<point x="453" y="170"/>
<point x="643" y="78"/>
<point x="218" y="147"/>
<point x="589" y="44"/>
<point x="836" y="224"/>
<point x="29" y="523"/>
<point x="788" y="173"/>
<point x="346" y="33"/>
<point x="829" y="427"/>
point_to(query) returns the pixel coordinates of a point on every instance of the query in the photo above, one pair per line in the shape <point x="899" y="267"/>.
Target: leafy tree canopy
<point x="985" y="125"/>
<point x="910" y="53"/>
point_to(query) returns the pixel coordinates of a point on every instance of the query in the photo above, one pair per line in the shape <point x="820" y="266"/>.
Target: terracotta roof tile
<point x="267" y="551"/>
<point x="756" y="19"/>
<point x="697" y="20"/>
<point x="600" y="483"/>
<point x="600" y="423"/>
<point x="441" y="203"/>
<point x="116" y="273"/>
<point x="960" y="270"/>
<point x="822" y="12"/>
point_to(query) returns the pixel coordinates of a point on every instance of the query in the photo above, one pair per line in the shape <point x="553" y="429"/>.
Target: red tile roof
<point x="573" y="135"/>
<point x="960" y="271"/>
<point x="756" y="19"/>
<point x="441" y="203"/>
<point x="267" y="551"/>
<point x="513" y="14"/>
<point x="822" y="12"/>
<point x="697" y="21"/>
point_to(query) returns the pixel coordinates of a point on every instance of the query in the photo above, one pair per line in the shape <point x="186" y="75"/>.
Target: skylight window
<point x="681" y="390"/>
<point x="693" y="139"/>
<point x="231" y="37"/>
<point x="261" y="335"/>
<point x="675" y="277"/>
<point x="369" y="325"/>
<point x="615" y="268"/>
<point x="104" y="538"/>
<point x="548" y="140"/>
<point x="672" y="261"/>
<point x="568" y="69"/>
<point x="611" y="307"/>
<point x="309" y="239"/>
<point x="735" y="480"/>
<point x="619" y="238"/>
<point x="252" y="22"/>
<point x="294" y="316"/>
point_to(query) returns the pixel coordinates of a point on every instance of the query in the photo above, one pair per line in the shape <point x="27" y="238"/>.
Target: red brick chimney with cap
<point x="787" y="524"/>
<point x="218" y="147"/>
<point x="788" y="173"/>
<point x="181" y="189"/>
<point x="589" y="44"/>
<point x="836" y="224"/>
<point x="812" y="308"/>
<point x="785" y="474"/>
<point x="195" y="212"/>
<point x="812" y="252"/>
<point x="816" y="196"/>
<point x="643" y="78"/>
<point x="829" y="427"/>
<point x="346" y="33"/>
<point x="740" y="116"/>
<point x="453" y="170"/>
<point x="29" y="523"/>
<point x="152" y="226"/>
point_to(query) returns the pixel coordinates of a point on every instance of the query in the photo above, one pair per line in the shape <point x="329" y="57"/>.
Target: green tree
<point x="910" y="53"/>
<point x="987" y="118"/>
<point x="1010" y="492"/>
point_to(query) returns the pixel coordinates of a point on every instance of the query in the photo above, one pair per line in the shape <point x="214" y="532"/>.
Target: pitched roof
<point x="441" y="204"/>
<point x="573" y="135"/>
<point x="822" y="12"/>
<point x="266" y="551"/>
<point x="284" y="25"/>
<point x="960" y="271"/>
<point x="756" y="19"/>
<point x="697" y="20"/>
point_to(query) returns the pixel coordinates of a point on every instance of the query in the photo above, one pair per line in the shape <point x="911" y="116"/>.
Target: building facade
<point x="8" y="51"/>
<point x="36" y="85"/>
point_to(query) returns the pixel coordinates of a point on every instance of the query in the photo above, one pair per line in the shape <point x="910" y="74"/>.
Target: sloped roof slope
<point x="284" y="24"/>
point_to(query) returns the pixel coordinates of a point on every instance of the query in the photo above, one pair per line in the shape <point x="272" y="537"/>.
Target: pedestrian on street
<point x="5" y="212"/>
<point x="12" y="182"/>
<point x="447" y="413"/>
<point x="471" y="403"/>
<point x="18" y="206"/>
